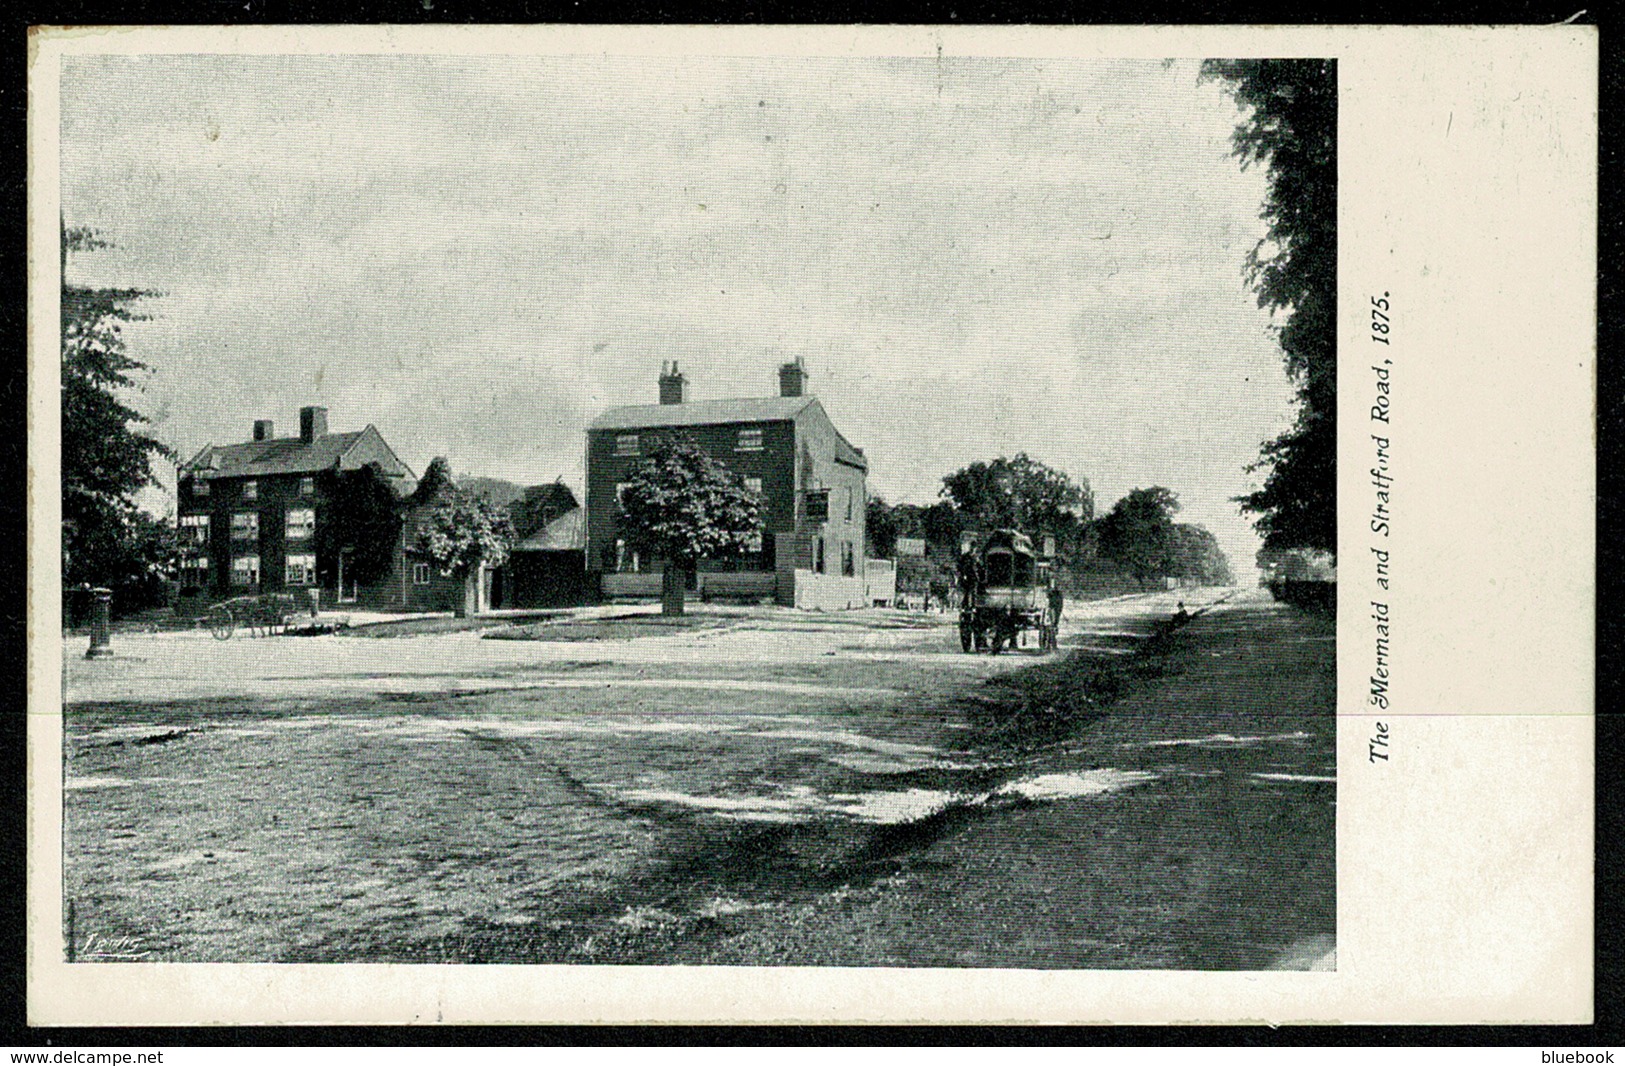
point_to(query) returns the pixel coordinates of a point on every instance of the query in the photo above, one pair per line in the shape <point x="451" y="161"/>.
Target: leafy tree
<point x="106" y="457"/>
<point x="682" y="505"/>
<point x="1020" y="493"/>
<point x="360" y="521"/>
<point x="1290" y="127"/>
<point x="1138" y="533"/>
<point x="462" y="533"/>
<point x="880" y="522"/>
<point x="1197" y="555"/>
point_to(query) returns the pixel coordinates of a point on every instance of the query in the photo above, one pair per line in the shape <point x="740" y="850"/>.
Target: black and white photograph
<point x="729" y="508"/>
<point x="751" y="512"/>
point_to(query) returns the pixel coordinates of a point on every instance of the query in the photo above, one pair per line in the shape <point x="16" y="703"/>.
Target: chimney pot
<point x="793" y="378"/>
<point x="312" y="423"/>
<point x="673" y="386"/>
<point x="263" y="429"/>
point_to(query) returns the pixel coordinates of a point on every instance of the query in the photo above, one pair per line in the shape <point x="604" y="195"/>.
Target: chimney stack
<point x="672" y="383"/>
<point x="262" y="429"/>
<point x="312" y="423"/>
<point x="793" y="378"/>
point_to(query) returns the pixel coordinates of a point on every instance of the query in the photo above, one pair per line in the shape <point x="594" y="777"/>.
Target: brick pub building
<point x="811" y="479"/>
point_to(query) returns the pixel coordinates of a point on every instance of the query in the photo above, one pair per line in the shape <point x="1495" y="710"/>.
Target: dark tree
<point x="1138" y="533"/>
<point x="682" y="505"/>
<point x="1197" y="556"/>
<point x="1290" y="127"/>
<point x="106" y="457"/>
<point x="880" y="524"/>
<point x="360" y="519"/>
<point x="1020" y="493"/>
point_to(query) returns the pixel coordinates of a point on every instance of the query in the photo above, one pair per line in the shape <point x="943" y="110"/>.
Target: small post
<point x="101" y="624"/>
<point x="71" y="937"/>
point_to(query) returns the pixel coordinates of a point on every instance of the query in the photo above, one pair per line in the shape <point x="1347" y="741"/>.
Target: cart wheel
<point x="967" y="636"/>
<point x="221" y="623"/>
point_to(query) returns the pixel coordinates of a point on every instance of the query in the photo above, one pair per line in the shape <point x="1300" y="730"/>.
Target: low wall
<point x="828" y="592"/>
<point x="631" y="586"/>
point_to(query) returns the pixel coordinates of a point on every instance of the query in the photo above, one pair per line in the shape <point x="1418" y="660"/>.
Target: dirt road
<point x="715" y="794"/>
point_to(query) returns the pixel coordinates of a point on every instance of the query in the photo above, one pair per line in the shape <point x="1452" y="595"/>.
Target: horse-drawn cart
<point x="263" y="615"/>
<point x="1005" y="590"/>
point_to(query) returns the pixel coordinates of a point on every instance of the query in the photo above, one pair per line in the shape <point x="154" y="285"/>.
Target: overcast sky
<point x="975" y="257"/>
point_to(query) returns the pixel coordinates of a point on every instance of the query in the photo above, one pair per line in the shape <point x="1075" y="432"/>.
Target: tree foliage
<point x="1197" y="556"/>
<point x="462" y="530"/>
<point x="682" y="505"/>
<point x="1290" y="127"/>
<point x="1138" y="533"/>
<point x="106" y="457"/>
<point x="1020" y="493"/>
<point x="359" y="517"/>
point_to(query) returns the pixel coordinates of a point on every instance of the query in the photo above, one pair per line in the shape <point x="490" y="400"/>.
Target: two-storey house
<point x="811" y="479"/>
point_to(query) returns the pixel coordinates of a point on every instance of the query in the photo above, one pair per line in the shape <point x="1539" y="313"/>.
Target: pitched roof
<point x="289" y="455"/>
<point x="702" y="413"/>
<point x="567" y="532"/>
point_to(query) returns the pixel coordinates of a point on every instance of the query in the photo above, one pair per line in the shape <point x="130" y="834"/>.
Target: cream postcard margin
<point x="1467" y="199"/>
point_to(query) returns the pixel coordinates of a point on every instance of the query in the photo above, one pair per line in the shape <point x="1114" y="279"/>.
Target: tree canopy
<point x="682" y="505"/>
<point x="106" y="456"/>
<point x="1138" y="533"/>
<point x="360" y="518"/>
<point x="1197" y="555"/>
<point x="1290" y="127"/>
<point x="1020" y="493"/>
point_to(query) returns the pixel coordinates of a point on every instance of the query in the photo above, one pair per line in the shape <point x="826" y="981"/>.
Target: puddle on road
<point x="1218" y="740"/>
<point x="802" y="804"/>
<point x="1068" y="786"/>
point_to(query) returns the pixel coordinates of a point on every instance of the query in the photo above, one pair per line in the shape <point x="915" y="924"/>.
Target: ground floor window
<point x="245" y="570"/>
<point x="301" y="570"/>
<point x="420" y="573"/>
<point x="195" y="572"/>
<point x="818" y="555"/>
<point x="849" y="564"/>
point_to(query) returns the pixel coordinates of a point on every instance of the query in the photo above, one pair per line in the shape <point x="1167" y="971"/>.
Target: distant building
<point x="546" y="568"/>
<point x="249" y="513"/>
<point x="811" y="479"/>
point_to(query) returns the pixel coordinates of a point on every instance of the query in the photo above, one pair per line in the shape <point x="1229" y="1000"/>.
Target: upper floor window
<point x="307" y="486"/>
<point x="750" y="440"/>
<point x="251" y="490"/>
<point x="301" y="523"/>
<point x="200" y="487"/>
<point x="626" y="444"/>
<point x="850" y="491"/>
<point x="420" y="573"/>
<point x="245" y="526"/>
<point x="620" y="494"/>
<point x="195" y="530"/>
<point x="754" y="484"/>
